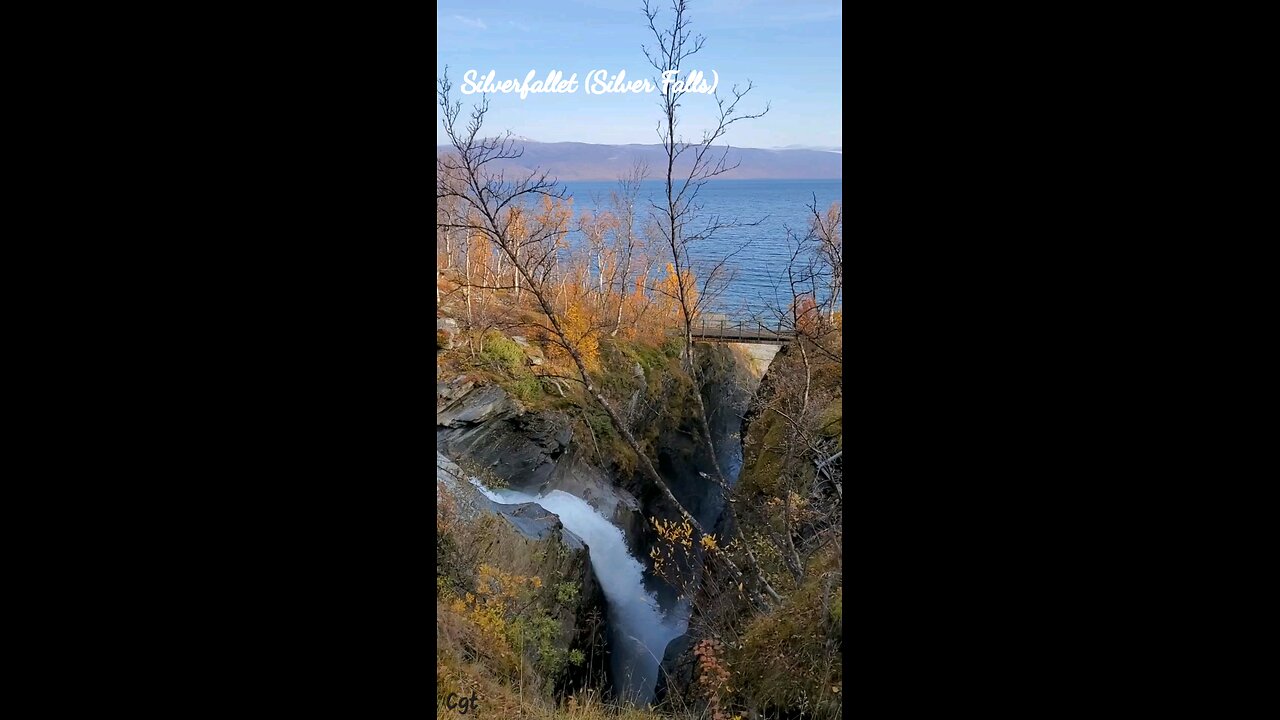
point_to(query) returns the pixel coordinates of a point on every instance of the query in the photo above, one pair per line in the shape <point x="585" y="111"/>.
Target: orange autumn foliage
<point x="669" y="290"/>
<point x="576" y="323"/>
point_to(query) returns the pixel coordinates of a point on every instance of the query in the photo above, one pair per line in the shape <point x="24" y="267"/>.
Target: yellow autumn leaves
<point x="677" y="533"/>
<point x="496" y="592"/>
<point x="576" y="324"/>
<point x="673" y="534"/>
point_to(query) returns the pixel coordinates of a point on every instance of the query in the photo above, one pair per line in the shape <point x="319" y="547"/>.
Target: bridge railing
<point x="722" y="328"/>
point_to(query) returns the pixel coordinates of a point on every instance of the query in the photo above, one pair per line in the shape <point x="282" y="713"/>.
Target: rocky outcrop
<point x="446" y="331"/>
<point x="477" y="406"/>
<point x="530" y="520"/>
<point x="532" y="353"/>
<point x="531" y="452"/>
<point x="449" y="391"/>
<point x="487" y="430"/>
<point x="537" y="523"/>
<point x="675" y="679"/>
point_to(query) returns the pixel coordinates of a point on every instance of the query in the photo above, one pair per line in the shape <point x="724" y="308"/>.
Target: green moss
<point x="503" y="362"/>
<point x="503" y="352"/>
<point x="650" y="357"/>
<point x="602" y="427"/>
<point x="761" y="474"/>
<point x="526" y="388"/>
<point x="830" y="422"/>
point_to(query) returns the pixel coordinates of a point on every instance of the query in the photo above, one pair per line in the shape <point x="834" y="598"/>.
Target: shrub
<point x="672" y="347"/>
<point x="503" y="352"/>
<point x="537" y="632"/>
<point x="576" y="323"/>
<point x="602" y="427"/>
<point x="713" y="676"/>
<point x="566" y="593"/>
<point x="526" y="387"/>
<point x="791" y="657"/>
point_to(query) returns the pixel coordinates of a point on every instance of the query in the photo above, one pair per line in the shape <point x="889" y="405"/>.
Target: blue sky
<point x="791" y="50"/>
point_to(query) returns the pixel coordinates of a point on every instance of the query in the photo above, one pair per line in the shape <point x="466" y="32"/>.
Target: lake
<point x="760" y="268"/>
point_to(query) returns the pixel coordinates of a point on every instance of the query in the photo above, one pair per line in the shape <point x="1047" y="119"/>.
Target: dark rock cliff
<point x="490" y="434"/>
<point x="729" y="389"/>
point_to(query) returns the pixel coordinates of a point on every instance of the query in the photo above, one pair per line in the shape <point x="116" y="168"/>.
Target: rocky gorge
<point x="539" y="473"/>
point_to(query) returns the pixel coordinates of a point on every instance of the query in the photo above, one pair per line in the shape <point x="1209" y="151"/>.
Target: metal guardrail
<point x="725" y="331"/>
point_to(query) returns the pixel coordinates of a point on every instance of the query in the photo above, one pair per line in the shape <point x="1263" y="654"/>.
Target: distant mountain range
<point x="585" y="161"/>
<point x="824" y="148"/>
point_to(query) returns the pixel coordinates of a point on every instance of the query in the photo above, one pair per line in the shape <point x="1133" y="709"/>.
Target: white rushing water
<point x="639" y="629"/>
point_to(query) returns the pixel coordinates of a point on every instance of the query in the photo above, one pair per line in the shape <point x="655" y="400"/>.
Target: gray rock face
<point x="477" y="406"/>
<point x="448" y="476"/>
<point x="449" y="327"/>
<point x="675" y="680"/>
<point x="451" y="483"/>
<point x="529" y="519"/>
<point x="487" y="428"/>
<point x="533" y="452"/>
<point x="537" y="523"/>
<point x="532" y="352"/>
<point x="448" y="392"/>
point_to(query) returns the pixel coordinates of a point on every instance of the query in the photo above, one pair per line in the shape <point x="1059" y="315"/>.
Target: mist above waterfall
<point x="639" y="629"/>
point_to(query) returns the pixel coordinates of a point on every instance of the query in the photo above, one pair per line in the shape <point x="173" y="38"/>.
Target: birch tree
<point x="689" y="166"/>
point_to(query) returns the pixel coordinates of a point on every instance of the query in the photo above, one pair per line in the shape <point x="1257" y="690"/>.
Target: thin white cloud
<point x="473" y="22"/>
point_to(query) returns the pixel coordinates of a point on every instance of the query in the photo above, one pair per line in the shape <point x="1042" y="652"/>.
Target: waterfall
<point x="639" y="629"/>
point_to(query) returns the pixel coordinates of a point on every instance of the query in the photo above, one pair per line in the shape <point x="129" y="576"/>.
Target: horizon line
<point x="517" y="138"/>
<point x="715" y="179"/>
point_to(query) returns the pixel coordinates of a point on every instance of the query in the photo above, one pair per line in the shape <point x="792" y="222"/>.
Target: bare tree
<point x="624" y="209"/>
<point x="826" y="229"/>
<point x="689" y="166"/>
<point x="806" y="506"/>
<point x="805" y="303"/>
<point x="445" y="213"/>
<point x="595" y="227"/>
<point x="465" y="174"/>
<point x="680" y="221"/>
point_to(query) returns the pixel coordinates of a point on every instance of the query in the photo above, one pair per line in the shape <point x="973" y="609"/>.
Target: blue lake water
<point x="760" y="268"/>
